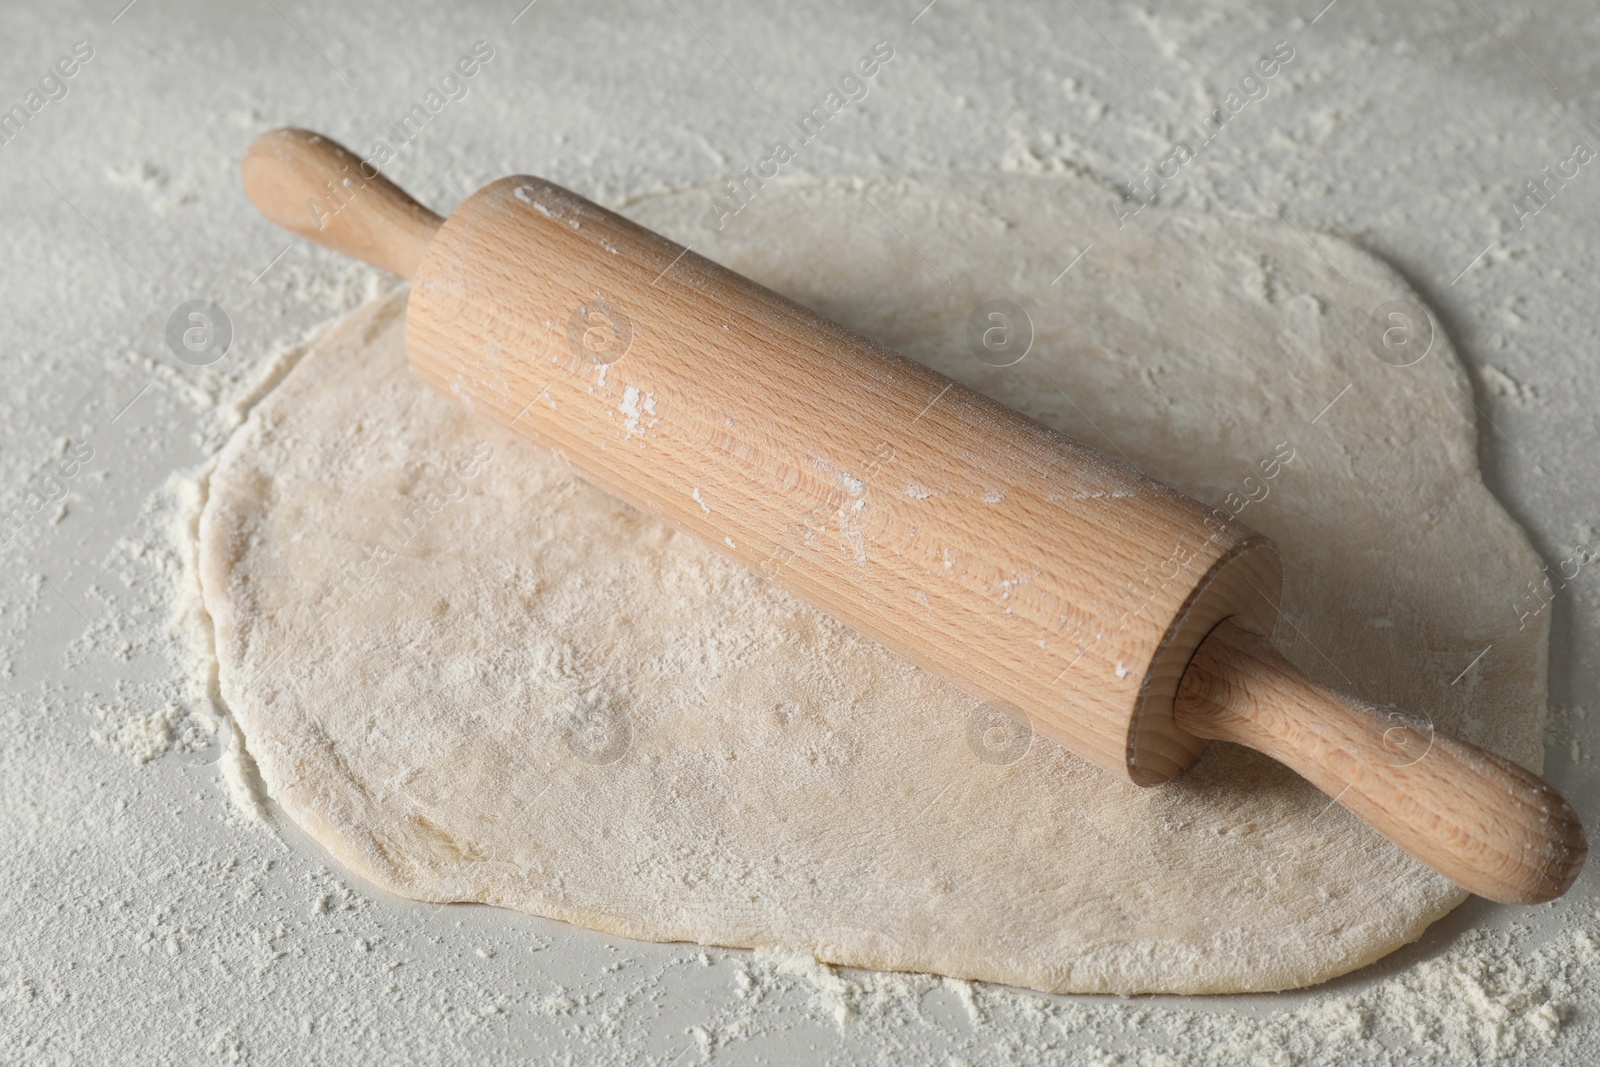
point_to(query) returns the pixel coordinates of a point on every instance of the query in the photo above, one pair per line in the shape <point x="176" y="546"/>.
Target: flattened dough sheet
<point x="474" y="677"/>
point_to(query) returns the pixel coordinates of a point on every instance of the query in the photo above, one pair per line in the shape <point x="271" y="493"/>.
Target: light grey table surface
<point x="1409" y="131"/>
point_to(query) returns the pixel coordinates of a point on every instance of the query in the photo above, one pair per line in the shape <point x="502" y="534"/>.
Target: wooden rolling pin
<point x="1125" y="620"/>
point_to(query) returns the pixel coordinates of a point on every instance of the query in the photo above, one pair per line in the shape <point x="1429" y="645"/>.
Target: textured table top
<point x="147" y="920"/>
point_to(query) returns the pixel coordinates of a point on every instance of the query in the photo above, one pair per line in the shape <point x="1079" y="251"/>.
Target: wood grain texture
<point x="1030" y="570"/>
<point x="1480" y="820"/>
<point x="319" y="189"/>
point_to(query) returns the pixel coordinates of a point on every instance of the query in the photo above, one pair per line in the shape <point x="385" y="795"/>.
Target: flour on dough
<point x="473" y="677"/>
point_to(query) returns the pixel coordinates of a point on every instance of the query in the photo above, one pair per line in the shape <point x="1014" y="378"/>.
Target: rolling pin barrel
<point x="974" y="541"/>
<point x="1034" y="572"/>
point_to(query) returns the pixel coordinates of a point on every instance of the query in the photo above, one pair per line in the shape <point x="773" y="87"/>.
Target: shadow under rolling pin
<point x="762" y="427"/>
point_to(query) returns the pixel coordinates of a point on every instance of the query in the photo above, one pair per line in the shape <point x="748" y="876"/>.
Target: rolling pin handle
<point x="1480" y="820"/>
<point x="315" y="187"/>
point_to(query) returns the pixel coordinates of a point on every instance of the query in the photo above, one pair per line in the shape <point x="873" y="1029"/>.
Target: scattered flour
<point x="147" y="921"/>
<point x="634" y="407"/>
<point x="1497" y="997"/>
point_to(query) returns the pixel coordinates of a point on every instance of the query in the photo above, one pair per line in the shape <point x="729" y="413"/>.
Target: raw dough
<point x="473" y="677"/>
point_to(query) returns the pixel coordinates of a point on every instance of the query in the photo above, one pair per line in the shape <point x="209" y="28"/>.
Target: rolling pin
<point x="1119" y="617"/>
